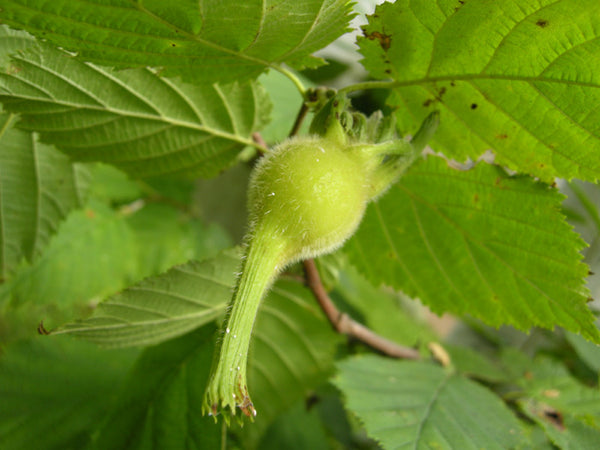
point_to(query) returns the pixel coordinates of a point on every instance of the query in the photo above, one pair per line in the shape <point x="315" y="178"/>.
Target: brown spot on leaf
<point x="385" y="40"/>
<point x="474" y="105"/>
<point x="554" y="417"/>
<point x="542" y="23"/>
<point x="476" y="198"/>
<point x="311" y="401"/>
<point x="437" y="97"/>
<point x="547" y="413"/>
<point x="501" y="136"/>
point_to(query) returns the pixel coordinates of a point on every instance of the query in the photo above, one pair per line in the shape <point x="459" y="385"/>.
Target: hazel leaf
<point x="161" y="307"/>
<point x="140" y="122"/>
<point x="422" y="406"/>
<point x="519" y="78"/>
<point x="202" y="41"/>
<point x="478" y="242"/>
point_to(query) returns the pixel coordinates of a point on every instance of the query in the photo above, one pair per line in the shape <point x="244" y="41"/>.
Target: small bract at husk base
<point x="306" y="198"/>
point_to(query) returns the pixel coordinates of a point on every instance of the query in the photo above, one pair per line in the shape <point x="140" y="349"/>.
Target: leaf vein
<point x="510" y="31"/>
<point x="174" y="295"/>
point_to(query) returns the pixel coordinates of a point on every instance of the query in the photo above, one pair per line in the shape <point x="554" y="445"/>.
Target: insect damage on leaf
<point x="385" y="40"/>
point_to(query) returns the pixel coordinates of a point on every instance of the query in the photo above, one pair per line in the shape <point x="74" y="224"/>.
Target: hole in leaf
<point x="542" y="23"/>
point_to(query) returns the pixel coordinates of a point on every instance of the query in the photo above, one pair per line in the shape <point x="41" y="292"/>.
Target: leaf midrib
<point x="210" y="44"/>
<point x="86" y="327"/>
<point x="425" y="417"/>
<point x="483" y="76"/>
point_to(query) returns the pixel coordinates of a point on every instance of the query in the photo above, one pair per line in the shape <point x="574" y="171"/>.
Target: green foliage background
<point x="116" y="114"/>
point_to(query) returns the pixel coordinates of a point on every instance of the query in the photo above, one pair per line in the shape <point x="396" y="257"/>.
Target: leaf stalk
<point x="293" y="78"/>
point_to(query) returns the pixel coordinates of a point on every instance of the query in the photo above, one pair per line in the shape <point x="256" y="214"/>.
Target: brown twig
<point x="299" y="119"/>
<point x="344" y="324"/>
